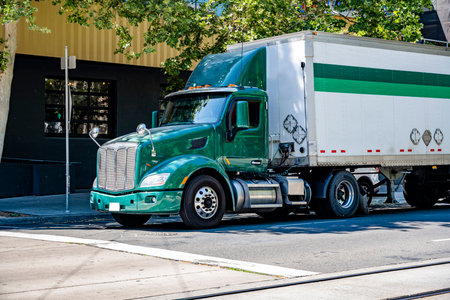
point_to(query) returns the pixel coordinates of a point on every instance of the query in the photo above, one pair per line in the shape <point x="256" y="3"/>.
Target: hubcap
<point x="206" y="202"/>
<point x="345" y="194"/>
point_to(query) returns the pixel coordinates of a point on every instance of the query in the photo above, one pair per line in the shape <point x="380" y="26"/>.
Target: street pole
<point x="66" y="71"/>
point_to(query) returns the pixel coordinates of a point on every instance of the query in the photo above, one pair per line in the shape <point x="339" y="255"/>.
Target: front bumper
<point x="159" y="202"/>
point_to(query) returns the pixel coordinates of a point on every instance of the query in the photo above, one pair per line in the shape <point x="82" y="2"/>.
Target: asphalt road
<point x="389" y="235"/>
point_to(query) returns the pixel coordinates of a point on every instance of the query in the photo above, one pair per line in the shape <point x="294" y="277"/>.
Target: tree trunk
<point x="6" y="79"/>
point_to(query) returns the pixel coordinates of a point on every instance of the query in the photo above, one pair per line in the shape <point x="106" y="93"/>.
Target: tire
<point x="203" y="203"/>
<point x="418" y="194"/>
<point x="342" y="197"/>
<point x="367" y="186"/>
<point x="131" y="220"/>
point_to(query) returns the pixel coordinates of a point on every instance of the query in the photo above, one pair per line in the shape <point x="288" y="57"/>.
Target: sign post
<point x="66" y="64"/>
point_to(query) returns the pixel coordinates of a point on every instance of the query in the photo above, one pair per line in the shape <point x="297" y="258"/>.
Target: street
<point x="389" y="236"/>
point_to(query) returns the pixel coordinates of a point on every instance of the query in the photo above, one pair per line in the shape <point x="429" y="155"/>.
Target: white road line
<point x="442" y="240"/>
<point x="167" y="254"/>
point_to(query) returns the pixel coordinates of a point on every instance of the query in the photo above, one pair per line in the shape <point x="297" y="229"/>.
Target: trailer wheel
<point x="203" y="202"/>
<point x="131" y="220"/>
<point x="366" y="185"/>
<point x="418" y="194"/>
<point x="342" y="197"/>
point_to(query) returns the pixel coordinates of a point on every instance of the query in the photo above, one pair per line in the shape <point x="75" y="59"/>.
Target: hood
<point x="171" y="141"/>
<point x="165" y="135"/>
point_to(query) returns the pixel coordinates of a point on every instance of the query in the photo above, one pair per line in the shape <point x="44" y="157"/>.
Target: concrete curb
<point x="58" y="219"/>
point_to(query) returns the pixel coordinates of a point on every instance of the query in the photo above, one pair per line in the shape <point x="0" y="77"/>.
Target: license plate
<point x="114" y="206"/>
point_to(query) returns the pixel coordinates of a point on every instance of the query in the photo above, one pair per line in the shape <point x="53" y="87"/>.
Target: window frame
<point x="111" y="94"/>
<point x="231" y="130"/>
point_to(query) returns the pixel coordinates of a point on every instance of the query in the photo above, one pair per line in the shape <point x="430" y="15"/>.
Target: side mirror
<point x="141" y="129"/>
<point x="93" y="134"/>
<point x="155" y="119"/>
<point x="242" y="116"/>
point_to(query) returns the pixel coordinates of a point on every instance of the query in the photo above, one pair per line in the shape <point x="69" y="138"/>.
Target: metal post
<point x="66" y="71"/>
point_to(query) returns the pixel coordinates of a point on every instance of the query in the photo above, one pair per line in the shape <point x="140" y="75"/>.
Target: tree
<point x="197" y="28"/>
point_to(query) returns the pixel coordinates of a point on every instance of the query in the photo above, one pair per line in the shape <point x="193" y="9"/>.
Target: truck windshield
<point x="196" y="109"/>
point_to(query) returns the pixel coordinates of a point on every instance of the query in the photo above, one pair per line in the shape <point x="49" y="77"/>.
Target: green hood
<point x="169" y="142"/>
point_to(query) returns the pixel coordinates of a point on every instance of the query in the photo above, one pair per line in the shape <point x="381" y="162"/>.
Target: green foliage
<point x="197" y="28"/>
<point x="385" y="19"/>
<point x="13" y="11"/>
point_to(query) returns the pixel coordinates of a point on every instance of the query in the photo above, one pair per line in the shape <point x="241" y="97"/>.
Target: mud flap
<point x="363" y="207"/>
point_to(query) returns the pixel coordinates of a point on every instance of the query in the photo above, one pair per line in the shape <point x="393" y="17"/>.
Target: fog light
<point x="150" y="199"/>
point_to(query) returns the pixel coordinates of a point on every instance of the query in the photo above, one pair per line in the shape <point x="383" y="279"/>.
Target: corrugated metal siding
<point x="86" y="43"/>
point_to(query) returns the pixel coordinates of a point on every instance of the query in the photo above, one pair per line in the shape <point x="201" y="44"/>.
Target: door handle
<point x="256" y="162"/>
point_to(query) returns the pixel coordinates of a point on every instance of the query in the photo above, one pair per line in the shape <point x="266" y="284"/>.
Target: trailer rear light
<point x="378" y="150"/>
<point x="402" y="150"/>
<point x="369" y="151"/>
<point x="439" y="150"/>
<point x="409" y="150"/>
<point x="342" y="151"/>
<point x="432" y="150"/>
<point x="333" y="151"/>
<point x="322" y="151"/>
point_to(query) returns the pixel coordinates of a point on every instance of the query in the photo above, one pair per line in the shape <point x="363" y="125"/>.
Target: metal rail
<point x="423" y="295"/>
<point x="435" y="41"/>
<point x="336" y="277"/>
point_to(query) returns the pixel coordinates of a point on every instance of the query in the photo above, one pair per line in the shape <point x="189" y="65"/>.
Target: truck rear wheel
<point x="203" y="202"/>
<point x="418" y="194"/>
<point x="342" y="197"/>
<point x="131" y="220"/>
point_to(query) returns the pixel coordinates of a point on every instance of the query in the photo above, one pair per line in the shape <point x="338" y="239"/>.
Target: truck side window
<point x="253" y="110"/>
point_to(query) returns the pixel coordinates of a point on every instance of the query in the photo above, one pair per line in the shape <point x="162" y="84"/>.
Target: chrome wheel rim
<point x="206" y="202"/>
<point x="345" y="194"/>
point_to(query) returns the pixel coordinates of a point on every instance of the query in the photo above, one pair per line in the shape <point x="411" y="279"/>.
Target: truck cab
<point x="206" y="137"/>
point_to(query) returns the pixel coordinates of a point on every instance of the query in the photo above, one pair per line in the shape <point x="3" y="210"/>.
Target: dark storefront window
<point x="92" y="102"/>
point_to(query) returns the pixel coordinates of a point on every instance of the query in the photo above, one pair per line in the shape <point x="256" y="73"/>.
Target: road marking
<point x="442" y="240"/>
<point x="167" y="254"/>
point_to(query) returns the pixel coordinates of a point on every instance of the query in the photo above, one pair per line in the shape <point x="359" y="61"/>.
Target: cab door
<point x="246" y="150"/>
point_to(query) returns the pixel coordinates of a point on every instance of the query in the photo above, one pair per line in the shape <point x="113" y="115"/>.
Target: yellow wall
<point x="86" y="43"/>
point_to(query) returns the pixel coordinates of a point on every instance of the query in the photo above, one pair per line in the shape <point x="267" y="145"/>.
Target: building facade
<point x="107" y="90"/>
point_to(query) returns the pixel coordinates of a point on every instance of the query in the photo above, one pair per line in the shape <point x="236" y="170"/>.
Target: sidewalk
<point x="48" y="209"/>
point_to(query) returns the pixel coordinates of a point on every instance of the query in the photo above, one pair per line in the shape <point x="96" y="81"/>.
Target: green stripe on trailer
<point x="380" y="88"/>
<point x="359" y="80"/>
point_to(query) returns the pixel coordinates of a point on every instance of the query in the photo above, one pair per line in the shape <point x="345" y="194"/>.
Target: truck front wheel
<point x="203" y="202"/>
<point x="342" y="197"/>
<point x="131" y="220"/>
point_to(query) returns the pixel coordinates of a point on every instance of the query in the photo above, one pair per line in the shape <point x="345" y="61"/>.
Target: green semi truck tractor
<point x="277" y="125"/>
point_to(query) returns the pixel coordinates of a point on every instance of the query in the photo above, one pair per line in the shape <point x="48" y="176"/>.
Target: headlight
<point x="94" y="184"/>
<point x="154" y="180"/>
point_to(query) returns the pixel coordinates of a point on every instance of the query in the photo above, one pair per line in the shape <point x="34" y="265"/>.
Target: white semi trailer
<point x="275" y="124"/>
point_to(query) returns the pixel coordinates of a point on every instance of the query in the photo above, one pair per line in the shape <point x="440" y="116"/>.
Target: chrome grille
<point x="116" y="166"/>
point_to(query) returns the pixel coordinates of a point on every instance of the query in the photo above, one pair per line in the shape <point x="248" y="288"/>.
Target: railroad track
<point x="338" y="277"/>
